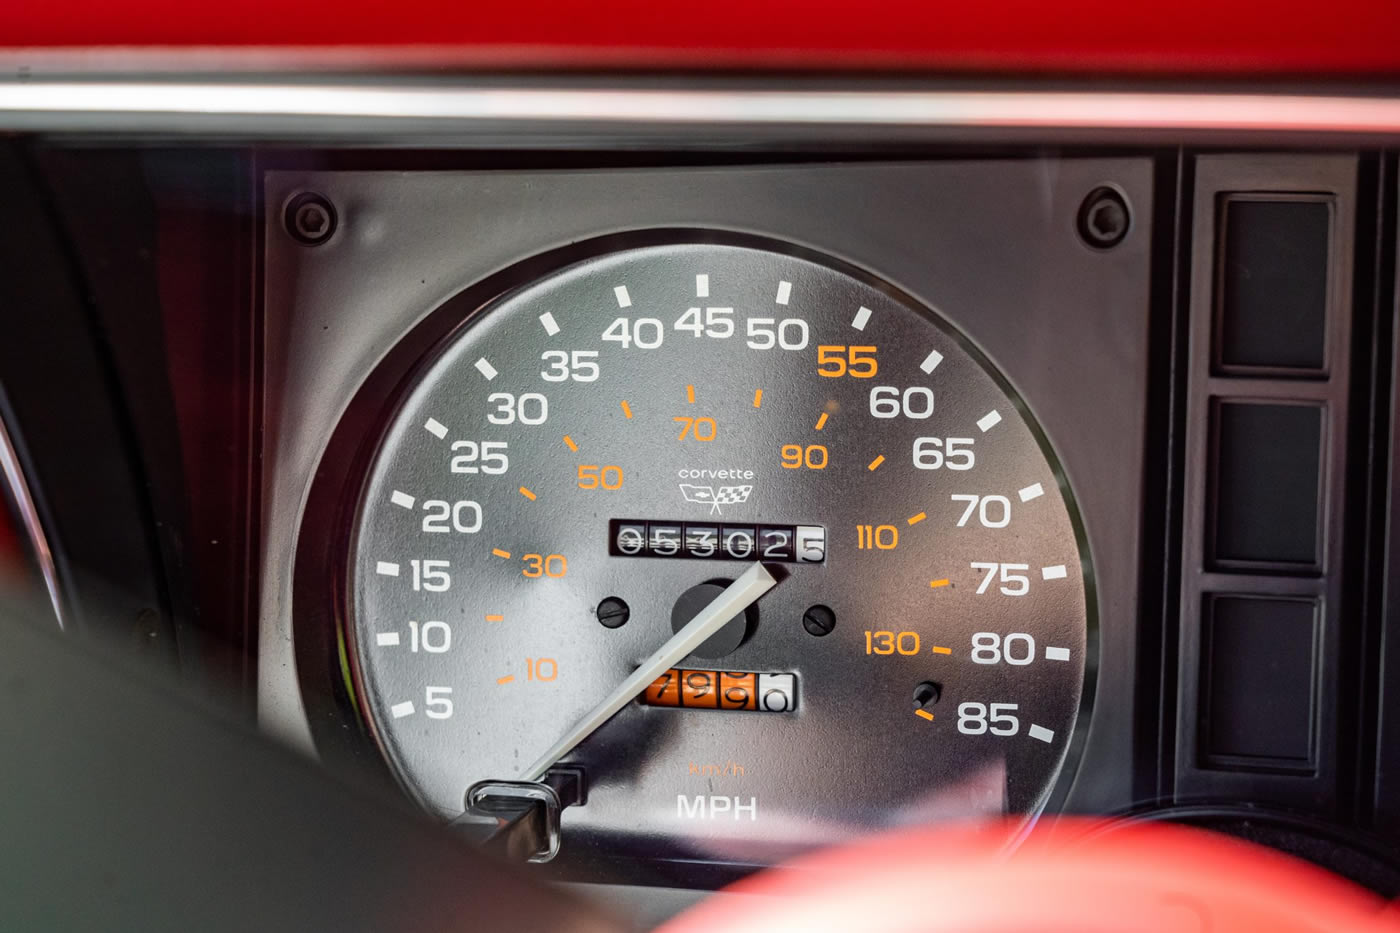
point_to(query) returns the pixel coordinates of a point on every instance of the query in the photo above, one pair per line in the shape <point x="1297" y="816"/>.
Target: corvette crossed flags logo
<point x="709" y="495"/>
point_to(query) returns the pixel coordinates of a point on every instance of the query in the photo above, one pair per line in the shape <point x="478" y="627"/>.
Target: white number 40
<point x="644" y="332"/>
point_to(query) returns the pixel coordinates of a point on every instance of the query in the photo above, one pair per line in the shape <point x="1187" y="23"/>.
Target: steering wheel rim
<point x="1068" y="875"/>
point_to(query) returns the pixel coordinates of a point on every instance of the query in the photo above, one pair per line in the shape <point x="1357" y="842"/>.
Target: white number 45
<point x="1013" y="583"/>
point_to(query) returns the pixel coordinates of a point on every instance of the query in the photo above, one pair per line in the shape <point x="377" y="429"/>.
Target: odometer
<point x="594" y="458"/>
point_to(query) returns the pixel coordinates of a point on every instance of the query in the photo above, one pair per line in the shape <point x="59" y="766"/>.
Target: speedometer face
<point x="589" y="461"/>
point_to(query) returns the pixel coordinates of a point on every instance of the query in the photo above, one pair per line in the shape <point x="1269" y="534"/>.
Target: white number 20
<point x="465" y="517"/>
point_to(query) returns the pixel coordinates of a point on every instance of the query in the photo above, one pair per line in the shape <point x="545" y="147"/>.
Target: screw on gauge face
<point x="1104" y="218"/>
<point x="819" y="620"/>
<point x="926" y="694"/>
<point x="613" y="612"/>
<point x="309" y="218"/>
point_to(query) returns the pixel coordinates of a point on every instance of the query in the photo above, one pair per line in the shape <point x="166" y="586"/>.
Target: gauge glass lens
<point x="590" y="460"/>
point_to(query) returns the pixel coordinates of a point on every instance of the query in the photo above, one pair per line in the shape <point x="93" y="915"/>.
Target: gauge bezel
<point x="334" y="506"/>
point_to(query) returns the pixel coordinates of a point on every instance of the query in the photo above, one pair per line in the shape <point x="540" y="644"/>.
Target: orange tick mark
<point x="506" y="679"/>
<point x="937" y="583"/>
<point x="626" y="409"/>
<point x="876" y="462"/>
<point x="495" y="618"/>
<point x="821" y="422"/>
<point x="757" y="397"/>
<point x="924" y="714"/>
<point x="500" y="553"/>
<point x="690" y="394"/>
<point x="527" y="494"/>
<point x="915" y="519"/>
<point x="939" y="649"/>
<point x="570" y="442"/>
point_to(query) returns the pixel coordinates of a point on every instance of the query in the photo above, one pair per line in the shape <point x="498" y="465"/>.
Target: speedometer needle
<point x="736" y="597"/>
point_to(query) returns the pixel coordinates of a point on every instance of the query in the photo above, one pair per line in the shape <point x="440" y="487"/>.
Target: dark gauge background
<point x="853" y="757"/>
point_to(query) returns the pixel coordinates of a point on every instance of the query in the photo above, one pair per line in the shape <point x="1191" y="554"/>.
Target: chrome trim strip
<point x="29" y="516"/>
<point x="126" y="104"/>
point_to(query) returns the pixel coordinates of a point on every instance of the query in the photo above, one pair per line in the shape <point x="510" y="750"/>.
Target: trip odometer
<point x="588" y="465"/>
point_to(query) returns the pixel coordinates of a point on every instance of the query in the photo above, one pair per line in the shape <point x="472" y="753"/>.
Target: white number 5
<point x="438" y="701"/>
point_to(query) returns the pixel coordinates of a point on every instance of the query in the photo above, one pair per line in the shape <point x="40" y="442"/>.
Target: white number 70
<point x="992" y="511"/>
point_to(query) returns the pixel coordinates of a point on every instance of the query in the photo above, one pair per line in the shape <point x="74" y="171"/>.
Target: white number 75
<point x="1012" y="583"/>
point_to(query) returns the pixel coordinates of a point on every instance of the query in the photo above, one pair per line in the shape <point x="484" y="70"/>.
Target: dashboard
<point x="653" y="481"/>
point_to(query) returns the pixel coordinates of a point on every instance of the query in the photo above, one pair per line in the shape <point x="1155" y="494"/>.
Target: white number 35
<point x="580" y="366"/>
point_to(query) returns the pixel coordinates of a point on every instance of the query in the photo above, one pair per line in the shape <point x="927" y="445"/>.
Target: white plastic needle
<point x="736" y="597"/>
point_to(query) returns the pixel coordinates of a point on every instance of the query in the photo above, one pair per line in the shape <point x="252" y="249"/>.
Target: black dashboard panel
<point x="991" y="245"/>
<point x="902" y="222"/>
<point x="1233" y="469"/>
<point x="1265" y="497"/>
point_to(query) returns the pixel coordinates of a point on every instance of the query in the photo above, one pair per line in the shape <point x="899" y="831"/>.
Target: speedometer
<point x="590" y="462"/>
